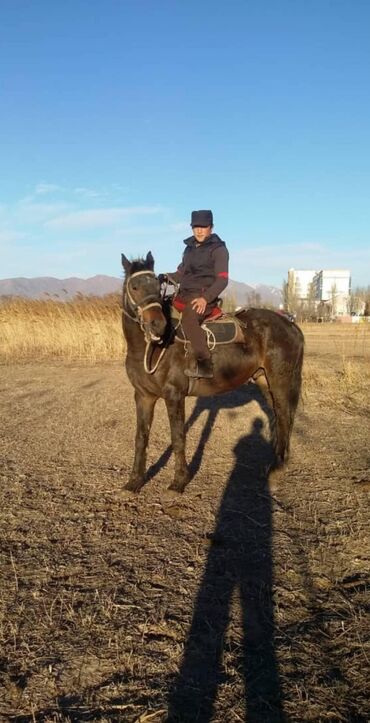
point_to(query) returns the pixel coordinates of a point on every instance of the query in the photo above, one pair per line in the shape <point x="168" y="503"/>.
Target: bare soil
<point x="245" y="599"/>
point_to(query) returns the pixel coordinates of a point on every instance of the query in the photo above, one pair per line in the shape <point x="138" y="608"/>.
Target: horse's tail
<point x="298" y="366"/>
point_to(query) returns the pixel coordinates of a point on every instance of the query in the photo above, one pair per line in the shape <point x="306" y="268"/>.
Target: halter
<point x="139" y="309"/>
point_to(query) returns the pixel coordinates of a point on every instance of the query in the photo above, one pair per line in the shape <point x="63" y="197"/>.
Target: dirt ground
<point x="242" y="600"/>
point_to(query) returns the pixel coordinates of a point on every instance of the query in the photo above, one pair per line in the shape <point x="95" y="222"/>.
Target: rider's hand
<point x="162" y="278"/>
<point x="199" y="304"/>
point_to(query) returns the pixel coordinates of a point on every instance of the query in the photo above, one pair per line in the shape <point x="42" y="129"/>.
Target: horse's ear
<point x="149" y="260"/>
<point x="125" y="263"/>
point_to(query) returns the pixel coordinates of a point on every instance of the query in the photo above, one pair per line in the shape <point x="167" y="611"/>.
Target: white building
<point x="328" y="286"/>
<point x="299" y="281"/>
<point x="333" y="286"/>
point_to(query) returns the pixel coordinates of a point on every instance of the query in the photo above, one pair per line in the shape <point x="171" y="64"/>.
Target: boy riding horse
<point x="202" y="275"/>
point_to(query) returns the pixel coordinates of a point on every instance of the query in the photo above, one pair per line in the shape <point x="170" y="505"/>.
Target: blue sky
<point x="118" y="117"/>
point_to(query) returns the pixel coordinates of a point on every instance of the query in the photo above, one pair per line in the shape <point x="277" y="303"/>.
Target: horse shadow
<point x="213" y="405"/>
<point x="239" y="561"/>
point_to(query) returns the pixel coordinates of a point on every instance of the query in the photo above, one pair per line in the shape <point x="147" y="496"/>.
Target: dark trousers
<point x="191" y="324"/>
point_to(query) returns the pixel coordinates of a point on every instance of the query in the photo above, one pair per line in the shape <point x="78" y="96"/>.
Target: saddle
<point x="219" y="326"/>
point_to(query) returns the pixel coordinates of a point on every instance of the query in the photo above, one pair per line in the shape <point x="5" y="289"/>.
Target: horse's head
<point x="141" y="296"/>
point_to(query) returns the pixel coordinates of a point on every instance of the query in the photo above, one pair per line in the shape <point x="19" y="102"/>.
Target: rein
<point x="138" y="310"/>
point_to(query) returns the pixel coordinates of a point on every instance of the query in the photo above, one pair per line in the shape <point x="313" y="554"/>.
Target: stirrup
<point x="203" y="370"/>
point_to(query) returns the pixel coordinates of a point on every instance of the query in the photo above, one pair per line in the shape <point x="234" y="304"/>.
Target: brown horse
<point x="271" y="355"/>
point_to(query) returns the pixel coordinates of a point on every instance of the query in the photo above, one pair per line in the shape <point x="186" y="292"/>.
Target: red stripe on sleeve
<point x="178" y="304"/>
<point x="224" y="274"/>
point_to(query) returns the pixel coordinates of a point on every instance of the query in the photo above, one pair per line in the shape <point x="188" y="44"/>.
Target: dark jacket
<point x="204" y="270"/>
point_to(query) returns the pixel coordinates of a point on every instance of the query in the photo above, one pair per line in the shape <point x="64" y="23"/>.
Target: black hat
<point x="201" y="218"/>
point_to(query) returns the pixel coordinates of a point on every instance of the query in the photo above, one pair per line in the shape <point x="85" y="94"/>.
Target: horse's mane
<point x="139" y="264"/>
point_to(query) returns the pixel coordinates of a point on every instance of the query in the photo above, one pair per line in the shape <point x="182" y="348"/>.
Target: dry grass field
<point x="86" y="329"/>
<point x="245" y="599"/>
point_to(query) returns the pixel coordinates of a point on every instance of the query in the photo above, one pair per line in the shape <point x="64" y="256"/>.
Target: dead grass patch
<point x="334" y="377"/>
<point x="99" y="589"/>
<point x="84" y="329"/>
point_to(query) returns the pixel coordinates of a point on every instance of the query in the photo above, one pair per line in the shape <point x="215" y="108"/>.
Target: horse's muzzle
<point x="155" y="329"/>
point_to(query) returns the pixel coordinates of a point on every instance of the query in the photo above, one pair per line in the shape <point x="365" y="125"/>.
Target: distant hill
<point x="65" y="289"/>
<point x="247" y="295"/>
<point x="43" y="286"/>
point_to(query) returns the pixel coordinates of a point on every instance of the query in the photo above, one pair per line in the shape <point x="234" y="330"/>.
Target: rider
<point x="202" y="275"/>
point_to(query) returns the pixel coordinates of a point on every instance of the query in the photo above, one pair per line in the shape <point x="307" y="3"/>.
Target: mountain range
<point x="65" y="289"/>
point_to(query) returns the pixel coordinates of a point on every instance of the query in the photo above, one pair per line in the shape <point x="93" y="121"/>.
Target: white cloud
<point x="111" y="191"/>
<point x="269" y="264"/>
<point x="28" y="211"/>
<point x="99" y="217"/>
<point x="307" y="247"/>
<point x="181" y="227"/>
<point x="44" y="188"/>
<point x="88" y="192"/>
<point x="8" y="237"/>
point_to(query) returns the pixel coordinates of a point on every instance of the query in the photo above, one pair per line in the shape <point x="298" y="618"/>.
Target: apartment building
<point x="299" y="281"/>
<point x="333" y="286"/>
<point x="328" y="286"/>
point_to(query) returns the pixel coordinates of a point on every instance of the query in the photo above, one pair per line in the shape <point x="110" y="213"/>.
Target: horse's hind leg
<point x="285" y="388"/>
<point x="285" y="395"/>
<point x="176" y="414"/>
<point x="260" y="380"/>
<point x="144" y="417"/>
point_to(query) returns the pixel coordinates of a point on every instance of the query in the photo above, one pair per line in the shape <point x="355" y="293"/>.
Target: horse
<point x="271" y="355"/>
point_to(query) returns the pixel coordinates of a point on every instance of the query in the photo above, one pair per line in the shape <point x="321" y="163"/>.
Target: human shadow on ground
<point x="231" y="400"/>
<point x="239" y="560"/>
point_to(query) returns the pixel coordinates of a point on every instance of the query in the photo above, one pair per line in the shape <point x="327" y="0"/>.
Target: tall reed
<point x="87" y="328"/>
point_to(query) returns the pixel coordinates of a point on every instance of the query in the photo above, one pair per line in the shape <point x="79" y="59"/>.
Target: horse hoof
<point x="279" y="462"/>
<point x="134" y="485"/>
<point x="178" y="485"/>
<point x="176" y="488"/>
<point x="275" y="477"/>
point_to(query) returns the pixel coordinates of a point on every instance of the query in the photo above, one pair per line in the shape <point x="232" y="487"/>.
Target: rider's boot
<point x="203" y="369"/>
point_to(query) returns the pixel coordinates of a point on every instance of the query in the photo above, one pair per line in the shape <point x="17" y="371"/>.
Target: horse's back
<point x="274" y="328"/>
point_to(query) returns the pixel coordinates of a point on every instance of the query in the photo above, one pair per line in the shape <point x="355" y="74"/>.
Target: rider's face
<point x="201" y="233"/>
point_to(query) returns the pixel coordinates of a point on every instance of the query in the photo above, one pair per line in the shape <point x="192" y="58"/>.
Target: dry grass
<point x="84" y="329"/>
<point x="349" y="340"/>
<point x="88" y="329"/>
<point x="336" y="369"/>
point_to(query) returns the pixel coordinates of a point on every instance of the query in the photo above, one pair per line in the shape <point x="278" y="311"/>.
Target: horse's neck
<point x="133" y="335"/>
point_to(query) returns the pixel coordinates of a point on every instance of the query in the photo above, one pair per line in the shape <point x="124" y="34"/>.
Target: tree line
<point x="310" y="309"/>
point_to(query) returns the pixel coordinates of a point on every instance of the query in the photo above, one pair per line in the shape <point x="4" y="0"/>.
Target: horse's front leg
<point x="176" y="414"/>
<point x="144" y="417"/>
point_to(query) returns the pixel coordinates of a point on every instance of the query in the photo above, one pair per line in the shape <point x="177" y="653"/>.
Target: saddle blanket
<point x="225" y="330"/>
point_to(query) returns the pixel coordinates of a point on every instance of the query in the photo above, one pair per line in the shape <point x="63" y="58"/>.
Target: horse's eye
<point x="134" y="288"/>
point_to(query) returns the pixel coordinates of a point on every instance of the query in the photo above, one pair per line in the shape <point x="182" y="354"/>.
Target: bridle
<point x="139" y="309"/>
<point x="138" y="317"/>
